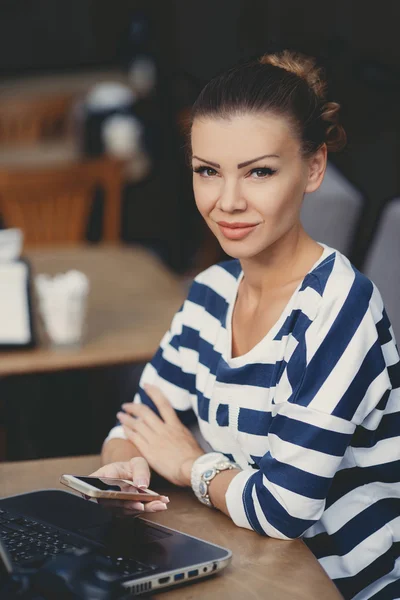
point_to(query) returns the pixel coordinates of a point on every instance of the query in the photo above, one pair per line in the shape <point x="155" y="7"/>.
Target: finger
<point x="137" y="440"/>
<point x="125" y="504"/>
<point x="140" y="472"/>
<point x="119" y="470"/>
<point x="143" y="431"/>
<point x="162" y="403"/>
<point x="145" y="413"/>
<point x="136" y="424"/>
<point x="155" y="506"/>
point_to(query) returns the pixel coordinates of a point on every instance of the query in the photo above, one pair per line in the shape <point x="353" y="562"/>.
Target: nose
<point x="230" y="198"/>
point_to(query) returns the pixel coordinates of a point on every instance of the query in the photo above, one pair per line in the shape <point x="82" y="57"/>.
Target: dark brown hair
<point x="287" y="84"/>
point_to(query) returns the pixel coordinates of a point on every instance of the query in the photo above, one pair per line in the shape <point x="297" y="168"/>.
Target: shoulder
<point x="340" y="301"/>
<point x="337" y="282"/>
<point x="336" y="275"/>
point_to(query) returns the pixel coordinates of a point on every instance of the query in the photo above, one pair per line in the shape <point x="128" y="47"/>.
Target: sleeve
<point x="333" y="379"/>
<point x="166" y="370"/>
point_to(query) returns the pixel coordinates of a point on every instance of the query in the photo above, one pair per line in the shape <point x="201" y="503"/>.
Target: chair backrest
<point x="52" y="205"/>
<point x="330" y="215"/>
<point x="30" y="120"/>
<point x="382" y="263"/>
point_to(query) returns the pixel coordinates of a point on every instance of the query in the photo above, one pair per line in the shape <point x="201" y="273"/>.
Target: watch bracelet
<point x="221" y="466"/>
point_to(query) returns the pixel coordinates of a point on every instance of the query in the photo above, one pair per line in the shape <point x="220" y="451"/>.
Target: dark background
<point x="357" y="42"/>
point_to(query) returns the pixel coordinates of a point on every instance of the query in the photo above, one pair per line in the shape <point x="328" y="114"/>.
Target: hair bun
<point x="301" y="65"/>
<point x="305" y="67"/>
<point x="335" y="134"/>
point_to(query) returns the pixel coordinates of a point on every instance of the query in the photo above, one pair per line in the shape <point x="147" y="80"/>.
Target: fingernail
<point x="165" y="499"/>
<point x="141" y="483"/>
<point x="120" y="414"/>
<point x="159" y="506"/>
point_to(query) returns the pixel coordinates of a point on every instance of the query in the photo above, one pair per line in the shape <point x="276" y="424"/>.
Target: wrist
<point x="118" y="450"/>
<point x="204" y="470"/>
<point x="185" y="471"/>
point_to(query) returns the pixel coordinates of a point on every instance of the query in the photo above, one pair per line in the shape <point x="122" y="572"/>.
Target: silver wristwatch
<point x="204" y="469"/>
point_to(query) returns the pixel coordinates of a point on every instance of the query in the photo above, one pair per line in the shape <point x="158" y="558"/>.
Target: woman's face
<point x="249" y="179"/>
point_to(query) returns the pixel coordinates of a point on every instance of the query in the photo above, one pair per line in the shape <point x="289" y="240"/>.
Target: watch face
<point x="209" y="474"/>
<point x="203" y="488"/>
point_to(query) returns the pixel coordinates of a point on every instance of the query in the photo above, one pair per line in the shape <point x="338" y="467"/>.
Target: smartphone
<point x="107" y="487"/>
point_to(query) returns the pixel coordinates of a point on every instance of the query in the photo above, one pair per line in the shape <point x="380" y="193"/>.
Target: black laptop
<point x="146" y="556"/>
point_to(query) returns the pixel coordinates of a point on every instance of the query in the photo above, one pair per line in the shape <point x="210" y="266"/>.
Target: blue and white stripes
<point x="311" y="414"/>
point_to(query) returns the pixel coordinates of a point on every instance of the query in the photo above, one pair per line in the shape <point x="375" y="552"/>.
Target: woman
<point x="284" y="355"/>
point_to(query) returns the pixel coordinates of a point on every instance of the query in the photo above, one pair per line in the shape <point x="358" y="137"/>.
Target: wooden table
<point x="131" y="302"/>
<point x="261" y="568"/>
<point x="52" y="154"/>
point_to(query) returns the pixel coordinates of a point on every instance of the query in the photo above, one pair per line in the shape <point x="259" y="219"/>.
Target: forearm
<point x="118" y="449"/>
<point x="218" y="487"/>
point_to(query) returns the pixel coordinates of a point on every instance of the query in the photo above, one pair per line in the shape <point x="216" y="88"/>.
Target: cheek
<point x="279" y="197"/>
<point x="205" y="195"/>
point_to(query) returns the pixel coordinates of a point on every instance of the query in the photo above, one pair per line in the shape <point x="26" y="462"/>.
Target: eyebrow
<point x="253" y="160"/>
<point x="246" y="163"/>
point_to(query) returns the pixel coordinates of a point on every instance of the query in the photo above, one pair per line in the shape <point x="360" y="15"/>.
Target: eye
<point x="205" y="171"/>
<point x="261" y="172"/>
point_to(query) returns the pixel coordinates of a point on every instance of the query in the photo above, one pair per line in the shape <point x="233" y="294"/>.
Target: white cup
<point x="63" y="307"/>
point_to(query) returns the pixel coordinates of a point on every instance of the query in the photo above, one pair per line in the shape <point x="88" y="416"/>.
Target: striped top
<point x="311" y="414"/>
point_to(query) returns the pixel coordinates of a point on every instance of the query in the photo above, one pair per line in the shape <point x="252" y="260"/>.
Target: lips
<point x="236" y="231"/>
<point x="236" y="225"/>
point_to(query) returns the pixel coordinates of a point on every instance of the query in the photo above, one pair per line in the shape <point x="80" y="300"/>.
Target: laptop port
<point x="163" y="580"/>
<point x="179" y="576"/>
<point x="193" y="573"/>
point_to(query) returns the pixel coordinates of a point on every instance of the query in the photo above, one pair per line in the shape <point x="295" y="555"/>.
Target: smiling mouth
<point x="236" y="225"/>
<point x="236" y="231"/>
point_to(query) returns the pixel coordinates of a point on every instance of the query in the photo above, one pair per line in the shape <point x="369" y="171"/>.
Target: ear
<point x="316" y="169"/>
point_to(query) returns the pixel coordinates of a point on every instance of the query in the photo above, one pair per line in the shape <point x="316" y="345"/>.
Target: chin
<point x="240" y="250"/>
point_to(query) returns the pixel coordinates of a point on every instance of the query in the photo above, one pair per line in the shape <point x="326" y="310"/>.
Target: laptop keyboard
<point x="30" y="543"/>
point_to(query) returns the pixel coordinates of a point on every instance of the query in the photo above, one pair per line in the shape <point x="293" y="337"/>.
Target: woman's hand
<point x="167" y="445"/>
<point x="136" y="470"/>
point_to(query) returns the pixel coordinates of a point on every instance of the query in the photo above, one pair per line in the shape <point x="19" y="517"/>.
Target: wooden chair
<point x="52" y="205"/>
<point x="32" y="120"/>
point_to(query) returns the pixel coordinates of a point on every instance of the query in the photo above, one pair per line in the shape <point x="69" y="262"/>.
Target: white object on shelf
<point x="109" y="95"/>
<point x="122" y="135"/>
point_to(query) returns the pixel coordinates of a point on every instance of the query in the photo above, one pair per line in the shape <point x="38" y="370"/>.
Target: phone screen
<point x="108" y="484"/>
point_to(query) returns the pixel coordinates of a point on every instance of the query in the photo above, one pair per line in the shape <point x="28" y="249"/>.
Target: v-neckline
<point x="242" y="359"/>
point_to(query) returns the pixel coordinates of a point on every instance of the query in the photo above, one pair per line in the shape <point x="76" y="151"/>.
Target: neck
<point x="285" y="262"/>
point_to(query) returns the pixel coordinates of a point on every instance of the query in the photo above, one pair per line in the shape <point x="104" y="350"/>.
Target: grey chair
<point x="330" y="215"/>
<point x="382" y="263"/>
